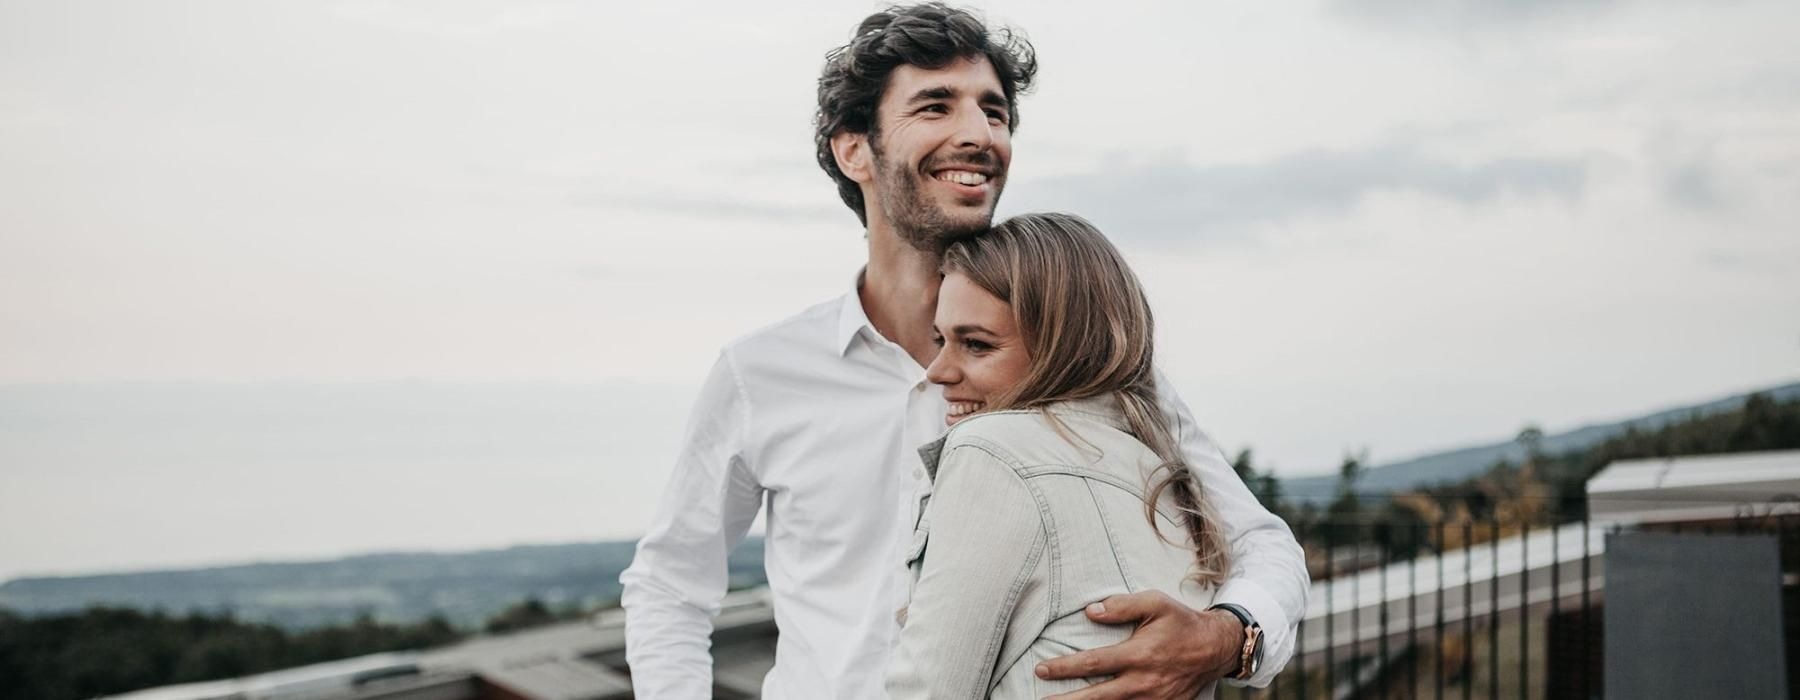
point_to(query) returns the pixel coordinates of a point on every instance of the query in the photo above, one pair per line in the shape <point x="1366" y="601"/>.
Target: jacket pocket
<point x="916" y="551"/>
<point x="915" y="556"/>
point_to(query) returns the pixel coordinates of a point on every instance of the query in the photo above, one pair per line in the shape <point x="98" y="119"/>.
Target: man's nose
<point x="973" y="130"/>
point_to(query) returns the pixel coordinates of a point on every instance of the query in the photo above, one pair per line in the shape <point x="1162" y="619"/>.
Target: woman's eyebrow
<point x="968" y="328"/>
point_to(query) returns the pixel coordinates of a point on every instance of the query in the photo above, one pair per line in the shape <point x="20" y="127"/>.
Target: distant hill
<point x="465" y="588"/>
<point x="1461" y="464"/>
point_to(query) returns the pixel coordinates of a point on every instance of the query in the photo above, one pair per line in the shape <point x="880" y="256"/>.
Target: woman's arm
<point x="983" y="552"/>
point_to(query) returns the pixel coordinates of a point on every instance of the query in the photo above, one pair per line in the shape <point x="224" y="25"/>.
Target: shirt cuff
<point x="1268" y="614"/>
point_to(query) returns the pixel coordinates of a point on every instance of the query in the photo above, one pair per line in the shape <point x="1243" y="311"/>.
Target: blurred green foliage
<point x="104" y="650"/>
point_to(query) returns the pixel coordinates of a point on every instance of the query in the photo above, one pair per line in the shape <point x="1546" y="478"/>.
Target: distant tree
<point x="1241" y="464"/>
<point x="1267" y="490"/>
<point x="1532" y="439"/>
<point x="106" y="651"/>
<point x="1345" y="510"/>
<point x="530" y="612"/>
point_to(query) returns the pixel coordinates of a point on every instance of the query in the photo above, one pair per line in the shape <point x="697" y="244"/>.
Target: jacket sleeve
<point x="1268" y="569"/>
<point x="675" y="582"/>
<point x="986" y="537"/>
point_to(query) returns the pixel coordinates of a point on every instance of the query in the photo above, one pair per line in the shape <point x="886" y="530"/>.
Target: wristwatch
<point x="1251" y="657"/>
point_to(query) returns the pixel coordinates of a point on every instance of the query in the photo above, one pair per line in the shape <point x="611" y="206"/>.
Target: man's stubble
<point x="919" y="223"/>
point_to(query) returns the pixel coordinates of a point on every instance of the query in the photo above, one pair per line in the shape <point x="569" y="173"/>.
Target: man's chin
<point x="937" y="237"/>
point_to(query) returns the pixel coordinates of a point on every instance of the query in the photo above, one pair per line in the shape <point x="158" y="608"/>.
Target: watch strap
<point x="1250" y="657"/>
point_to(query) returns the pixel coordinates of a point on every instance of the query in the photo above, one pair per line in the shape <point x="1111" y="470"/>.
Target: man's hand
<point x="1175" y="651"/>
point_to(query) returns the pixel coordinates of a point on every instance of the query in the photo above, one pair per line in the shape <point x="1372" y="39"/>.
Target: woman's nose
<point x="942" y="370"/>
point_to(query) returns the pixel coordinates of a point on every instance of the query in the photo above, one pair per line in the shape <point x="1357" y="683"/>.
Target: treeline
<point x="103" y="650"/>
<point x="1541" y="489"/>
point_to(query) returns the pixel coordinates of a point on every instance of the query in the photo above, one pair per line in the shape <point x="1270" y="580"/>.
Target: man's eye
<point x="936" y="109"/>
<point x="997" y="115"/>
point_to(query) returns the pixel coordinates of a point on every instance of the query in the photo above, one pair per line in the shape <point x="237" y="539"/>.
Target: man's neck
<point x="899" y="292"/>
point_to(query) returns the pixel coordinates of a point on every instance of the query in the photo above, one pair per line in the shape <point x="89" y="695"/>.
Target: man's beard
<point x="920" y="223"/>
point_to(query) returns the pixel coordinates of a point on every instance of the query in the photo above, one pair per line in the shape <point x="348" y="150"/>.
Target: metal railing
<point x="1477" y="608"/>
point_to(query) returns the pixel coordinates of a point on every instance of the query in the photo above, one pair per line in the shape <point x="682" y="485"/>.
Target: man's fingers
<point x="1104" y="661"/>
<point x="1130" y="607"/>
<point x="1115" y="688"/>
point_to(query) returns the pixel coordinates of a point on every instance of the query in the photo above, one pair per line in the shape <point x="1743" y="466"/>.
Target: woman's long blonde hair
<point x="1086" y="324"/>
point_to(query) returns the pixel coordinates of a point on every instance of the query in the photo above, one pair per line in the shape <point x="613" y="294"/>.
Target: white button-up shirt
<point x="817" y="420"/>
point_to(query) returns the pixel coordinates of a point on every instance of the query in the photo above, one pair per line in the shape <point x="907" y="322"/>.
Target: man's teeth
<point x="963" y="408"/>
<point x="962" y="177"/>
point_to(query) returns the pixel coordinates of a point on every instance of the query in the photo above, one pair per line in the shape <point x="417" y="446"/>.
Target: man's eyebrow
<point x="989" y="98"/>
<point x="941" y="92"/>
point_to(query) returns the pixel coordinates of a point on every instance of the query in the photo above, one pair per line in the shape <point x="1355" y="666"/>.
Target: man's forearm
<point x="668" y="644"/>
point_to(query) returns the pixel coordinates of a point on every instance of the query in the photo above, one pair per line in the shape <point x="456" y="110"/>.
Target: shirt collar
<point x="851" y="317"/>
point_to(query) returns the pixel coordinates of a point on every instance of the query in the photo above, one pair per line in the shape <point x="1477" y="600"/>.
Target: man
<point x="815" y="420"/>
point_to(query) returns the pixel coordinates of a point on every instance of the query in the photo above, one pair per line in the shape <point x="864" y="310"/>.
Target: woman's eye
<point x="937" y="340"/>
<point x="977" y="346"/>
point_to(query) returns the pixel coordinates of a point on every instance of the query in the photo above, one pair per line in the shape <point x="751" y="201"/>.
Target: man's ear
<point x="853" y="156"/>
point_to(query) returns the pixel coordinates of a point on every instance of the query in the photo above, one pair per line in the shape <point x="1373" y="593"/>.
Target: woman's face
<point x="980" y="352"/>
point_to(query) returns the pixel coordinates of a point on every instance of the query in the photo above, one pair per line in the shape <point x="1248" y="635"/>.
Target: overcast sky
<point x="1364" y="223"/>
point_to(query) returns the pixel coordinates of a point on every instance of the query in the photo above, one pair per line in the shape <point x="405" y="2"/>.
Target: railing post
<point x="1385" y="531"/>
<point x="1331" y="589"/>
<point x="1587" y="613"/>
<point x="1494" y="609"/>
<point x="1525" y="611"/>
<point x="1356" y="534"/>
<point x="1468" y="611"/>
<point x="1414" y="534"/>
<point x="1437" y="639"/>
<point x="1550" y="660"/>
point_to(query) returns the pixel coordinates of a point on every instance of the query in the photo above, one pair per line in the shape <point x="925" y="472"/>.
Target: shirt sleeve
<point x="1268" y="569"/>
<point x="986" y="538"/>
<point x="677" y="578"/>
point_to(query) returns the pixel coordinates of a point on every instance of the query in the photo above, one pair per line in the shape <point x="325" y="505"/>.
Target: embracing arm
<point x="1268" y="569"/>
<point x="1175" y="650"/>
<point x="673" y="587"/>
<point x="986" y="540"/>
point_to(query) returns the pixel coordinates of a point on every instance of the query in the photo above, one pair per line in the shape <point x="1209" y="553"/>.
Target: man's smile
<point x="962" y="177"/>
<point x="965" y="183"/>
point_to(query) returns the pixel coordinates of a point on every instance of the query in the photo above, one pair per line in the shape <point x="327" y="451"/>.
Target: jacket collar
<point x="1103" y="409"/>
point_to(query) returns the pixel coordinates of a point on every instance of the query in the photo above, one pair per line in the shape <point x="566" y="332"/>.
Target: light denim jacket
<point x="1019" y="529"/>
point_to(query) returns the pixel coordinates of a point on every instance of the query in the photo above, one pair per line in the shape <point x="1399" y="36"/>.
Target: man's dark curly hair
<point x="930" y="35"/>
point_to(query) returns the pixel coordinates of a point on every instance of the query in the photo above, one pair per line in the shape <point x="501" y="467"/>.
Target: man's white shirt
<point x="816" y="420"/>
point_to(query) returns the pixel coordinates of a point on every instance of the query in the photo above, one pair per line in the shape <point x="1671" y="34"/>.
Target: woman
<point x="1058" y="484"/>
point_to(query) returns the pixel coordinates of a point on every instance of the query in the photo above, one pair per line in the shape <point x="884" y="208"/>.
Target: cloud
<point x="449" y="20"/>
<point x="1174" y="201"/>
<point x="1694" y="186"/>
<point x="715" y="208"/>
<point x="1464" y="15"/>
